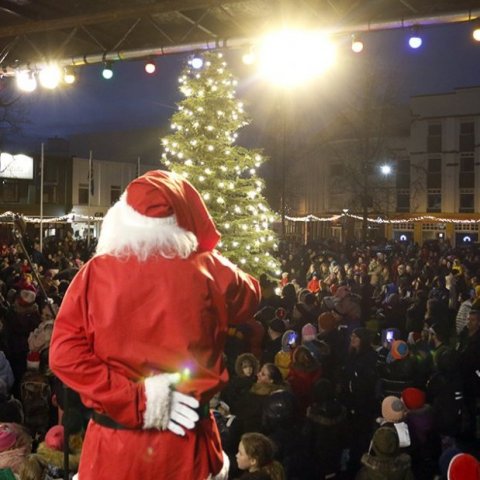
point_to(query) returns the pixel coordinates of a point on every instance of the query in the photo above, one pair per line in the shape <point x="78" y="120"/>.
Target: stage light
<point x="291" y="57"/>
<point x="69" y="76"/>
<point x="476" y="31"/>
<point x="50" y="76"/>
<point x="415" y="40"/>
<point x="107" y="72"/>
<point x="249" y="57"/>
<point x="196" y="62"/>
<point x="150" y="67"/>
<point x="357" y="44"/>
<point x="26" y="80"/>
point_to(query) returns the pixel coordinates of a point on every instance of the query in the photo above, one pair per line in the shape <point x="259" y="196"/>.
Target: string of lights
<point x="312" y="52"/>
<point x="69" y="218"/>
<point x="392" y="221"/>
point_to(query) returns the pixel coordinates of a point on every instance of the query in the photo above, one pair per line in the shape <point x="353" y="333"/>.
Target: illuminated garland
<point x="71" y="217"/>
<point x="334" y="218"/>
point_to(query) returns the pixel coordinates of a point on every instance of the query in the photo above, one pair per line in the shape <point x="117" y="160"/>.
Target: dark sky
<point x="133" y="100"/>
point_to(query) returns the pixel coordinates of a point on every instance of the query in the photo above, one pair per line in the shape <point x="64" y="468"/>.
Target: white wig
<point x="126" y="232"/>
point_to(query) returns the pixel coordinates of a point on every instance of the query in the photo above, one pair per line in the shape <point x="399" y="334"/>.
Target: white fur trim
<point x="158" y="393"/>
<point x="223" y="473"/>
<point x="125" y="231"/>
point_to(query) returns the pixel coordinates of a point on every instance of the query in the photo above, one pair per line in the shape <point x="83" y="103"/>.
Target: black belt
<point x="105" y="421"/>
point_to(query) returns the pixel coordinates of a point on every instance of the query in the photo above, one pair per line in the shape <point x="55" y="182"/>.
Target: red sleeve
<point x="73" y="360"/>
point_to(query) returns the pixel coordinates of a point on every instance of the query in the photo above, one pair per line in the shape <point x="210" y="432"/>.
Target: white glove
<point x="182" y="413"/>
<point x="166" y="408"/>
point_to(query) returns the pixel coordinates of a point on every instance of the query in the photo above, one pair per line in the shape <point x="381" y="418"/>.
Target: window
<point x="83" y="194"/>
<point x="49" y="194"/>
<point x="434" y="173"/>
<point x="9" y="191"/>
<point x="466" y="177"/>
<point x="434" y="200"/>
<point x="403" y="174"/>
<point x="467" y="201"/>
<point x="434" y="138"/>
<point x="115" y="192"/>
<point x="403" y="200"/>
<point x="467" y="137"/>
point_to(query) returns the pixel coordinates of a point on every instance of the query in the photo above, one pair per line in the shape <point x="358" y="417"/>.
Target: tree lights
<point x="202" y="149"/>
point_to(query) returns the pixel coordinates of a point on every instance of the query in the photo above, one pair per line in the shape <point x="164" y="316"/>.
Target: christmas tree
<point x="202" y="149"/>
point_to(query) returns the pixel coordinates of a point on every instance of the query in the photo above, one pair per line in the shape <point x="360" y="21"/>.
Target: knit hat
<point x="7" y="439"/>
<point x="55" y="437"/>
<point x="277" y="325"/>
<point x="26" y="298"/>
<point x="280" y="313"/>
<point x="393" y="409"/>
<point x="385" y="442"/>
<point x="413" y="398"/>
<point x="398" y="351"/>
<point x="33" y="360"/>
<point x="363" y="334"/>
<point x="463" y="467"/>
<point x="158" y="194"/>
<point x="327" y="322"/>
<point x="309" y="332"/>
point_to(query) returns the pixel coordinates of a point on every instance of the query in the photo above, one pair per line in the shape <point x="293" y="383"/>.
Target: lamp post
<point x="344" y="226"/>
<point x="386" y="171"/>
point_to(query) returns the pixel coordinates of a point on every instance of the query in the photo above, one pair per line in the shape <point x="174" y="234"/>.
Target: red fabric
<point x="301" y="383"/>
<point x="160" y="194"/>
<point x="314" y="285"/>
<point x="157" y="316"/>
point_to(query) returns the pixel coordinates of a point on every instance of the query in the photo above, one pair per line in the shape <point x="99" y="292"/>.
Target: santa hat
<point x="26" y="298"/>
<point x="7" y="439"/>
<point x="33" y="361"/>
<point x="160" y="194"/>
<point x="463" y="467"/>
<point x="393" y="409"/>
<point x="55" y="437"/>
<point x="309" y="332"/>
<point x="413" y="398"/>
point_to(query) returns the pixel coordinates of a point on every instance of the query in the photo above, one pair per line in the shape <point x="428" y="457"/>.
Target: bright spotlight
<point x="357" y="44"/>
<point x="196" y="62"/>
<point x="291" y="57"/>
<point x="248" y="58"/>
<point x="107" y="72"/>
<point x="476" y="34"/>
<point x="69" y="76"/>
<point x="26" y="80"/>
<point x="386" y="169"/>
<point x="150" y="67"/>
<point x="415" y="40"/>
<point x="50" y="76"/>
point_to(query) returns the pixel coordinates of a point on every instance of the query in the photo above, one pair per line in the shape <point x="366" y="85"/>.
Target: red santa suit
<point x="147" y="304"/>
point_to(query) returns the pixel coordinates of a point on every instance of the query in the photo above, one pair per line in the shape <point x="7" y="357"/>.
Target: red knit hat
<point x="399" y="349"/>
<point x="327" y="321"/>
<point x="159" y="194"/>
<point x="413" y="398"/>
<point x="55" y="437"/>
<point x="463" y="467"/>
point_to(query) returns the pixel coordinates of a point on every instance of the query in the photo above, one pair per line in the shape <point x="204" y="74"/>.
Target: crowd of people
<point x="361" y="362"/>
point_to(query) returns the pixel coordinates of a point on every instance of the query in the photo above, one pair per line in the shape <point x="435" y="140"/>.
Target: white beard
<point x="126" y="232"/>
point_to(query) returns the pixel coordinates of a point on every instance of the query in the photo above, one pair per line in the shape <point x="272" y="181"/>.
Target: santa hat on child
<point x="33" y="361"/>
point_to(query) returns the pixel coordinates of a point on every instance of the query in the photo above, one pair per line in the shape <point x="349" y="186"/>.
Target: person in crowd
<point x="146" y="351"/>
<point x="255" y="458"/>
<point x="384" y="459"/>
<point x="359" y="392"/>
<point x="276" y="329"/>
<point x="250" y="406"/>
<point x="469" y="368"/>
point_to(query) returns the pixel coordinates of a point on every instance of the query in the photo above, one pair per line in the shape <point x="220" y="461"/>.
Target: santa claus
<point x="141" y="331"/>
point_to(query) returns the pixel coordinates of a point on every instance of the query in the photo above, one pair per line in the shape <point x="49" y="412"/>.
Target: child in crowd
<point x="255" y="457"/>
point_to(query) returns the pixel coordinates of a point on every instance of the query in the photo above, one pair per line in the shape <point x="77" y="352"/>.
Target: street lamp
<point x="386" y="170"/>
